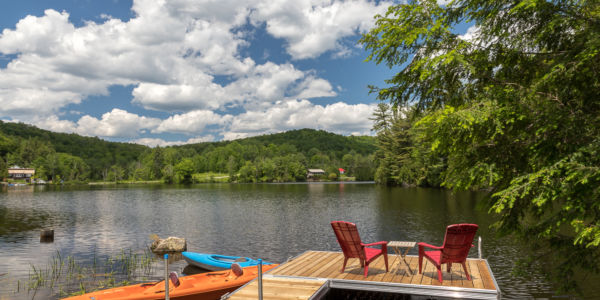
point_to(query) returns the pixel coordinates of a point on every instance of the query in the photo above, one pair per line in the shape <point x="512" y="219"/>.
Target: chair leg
<point x="439" y="269"/>
<point x="344" y="266"/>
<point x="386" y="262"/>
<point x="420" y="264"/>
<point x="448" y="266"/>
<point x="465" y="268"/>
<point x="366" y="269"/>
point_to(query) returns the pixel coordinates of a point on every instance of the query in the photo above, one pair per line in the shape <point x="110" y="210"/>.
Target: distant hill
<point x="53" y="153"/>
<point x="92" y="149"/>
<point x="304" y="140"/>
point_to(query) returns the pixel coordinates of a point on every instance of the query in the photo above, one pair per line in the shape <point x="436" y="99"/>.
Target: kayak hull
<point x="204" y="286"/>
<point x="216" y="262"/>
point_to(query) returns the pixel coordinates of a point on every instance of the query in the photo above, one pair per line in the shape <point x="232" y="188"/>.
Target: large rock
<point x="170" y="244"/>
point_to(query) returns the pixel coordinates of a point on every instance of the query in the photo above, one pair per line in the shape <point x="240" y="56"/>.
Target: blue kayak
<point x="216" y="262"/>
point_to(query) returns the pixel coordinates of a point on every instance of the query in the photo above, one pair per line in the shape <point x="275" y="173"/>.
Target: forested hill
<point x="304" y="140"/>
<point x="24" y="143"/>
<point x="275" y="157"/>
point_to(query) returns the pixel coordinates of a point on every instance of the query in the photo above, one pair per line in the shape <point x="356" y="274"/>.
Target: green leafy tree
<point x="319" y="160"/>
<point x="168" y="172"/>
<point x="200" y="163"/>
<point x="184" y="170"/>
<point x="156" y="163"/>
<point x="116" y="173"/>
<point x="3" y="168"/>
<point x="349" y="162"/>
<point x="248" y="173"/>
<point x="365" y="168"/>
<point x="73" y="168"/>
<point x="511" y="106"/>
<point x="7" y="144"/>
<point x="266" y="169"/>
<point x="52" y="166"/>
<point x="137" y="171"/>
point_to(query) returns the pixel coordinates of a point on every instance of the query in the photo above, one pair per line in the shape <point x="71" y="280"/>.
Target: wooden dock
<point x="314" y="272"/>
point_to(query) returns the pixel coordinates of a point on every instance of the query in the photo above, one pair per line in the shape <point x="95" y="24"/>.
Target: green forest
<point x="511" y="107"/>
<point x="282" y="157"/>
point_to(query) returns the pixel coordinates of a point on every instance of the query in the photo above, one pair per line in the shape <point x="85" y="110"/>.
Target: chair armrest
<point x="374" y="244"/>
<point x="423" y="245"/>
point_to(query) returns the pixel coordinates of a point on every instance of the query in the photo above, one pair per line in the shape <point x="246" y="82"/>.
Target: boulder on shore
<point x="170" y="244"/>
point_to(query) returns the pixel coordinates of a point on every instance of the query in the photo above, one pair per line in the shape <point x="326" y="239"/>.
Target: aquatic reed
<point x="67" y="276"/>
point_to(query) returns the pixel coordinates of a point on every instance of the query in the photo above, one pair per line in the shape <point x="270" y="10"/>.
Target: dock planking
<point x="280" y="288"/>
<point x="326" y="264"/>
<point x="317" y="271"/>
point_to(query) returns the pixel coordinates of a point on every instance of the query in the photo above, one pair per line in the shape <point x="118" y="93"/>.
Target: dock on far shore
<point x="317" y="275"/>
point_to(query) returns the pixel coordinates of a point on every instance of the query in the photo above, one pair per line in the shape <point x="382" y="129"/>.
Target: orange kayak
<point x="202" y="286"/>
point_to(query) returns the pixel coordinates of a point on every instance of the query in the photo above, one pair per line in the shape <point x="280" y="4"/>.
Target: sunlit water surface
<point x="269" y="221"/>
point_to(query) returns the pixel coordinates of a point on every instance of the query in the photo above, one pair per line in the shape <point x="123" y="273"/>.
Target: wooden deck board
<point x="379" y="266"/>
<point x="413" y="262"/>
<point x="335" y="265"/>
<point x="484" y="273"/>
<point x="393" y="271"/>
<point x="280" y="288"/>
<point x="303" y="263"/>
<point x="283" y="267"/>
<point x="474" y="272"/>
<point x="353" y="270"/>
<point x="323" y="258"/>
<point x="329" y="259"/>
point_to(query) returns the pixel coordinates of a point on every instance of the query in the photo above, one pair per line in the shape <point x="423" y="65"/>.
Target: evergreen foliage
<point x="512" y="107"/>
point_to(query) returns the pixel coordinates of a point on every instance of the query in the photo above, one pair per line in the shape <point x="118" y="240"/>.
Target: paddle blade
<point x="237" y="269"/>
<point x="174" y="278"/>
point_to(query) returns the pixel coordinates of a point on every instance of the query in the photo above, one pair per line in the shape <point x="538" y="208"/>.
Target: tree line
<point x="269" y="158"/>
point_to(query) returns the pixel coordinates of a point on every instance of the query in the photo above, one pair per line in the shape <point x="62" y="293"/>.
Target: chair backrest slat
<point x="348" y="238"/>
<point x="457" y="242"/>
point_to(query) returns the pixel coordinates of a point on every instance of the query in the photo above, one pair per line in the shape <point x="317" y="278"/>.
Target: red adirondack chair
<point x="457" y="243"/>
<point x="352" y="247"/>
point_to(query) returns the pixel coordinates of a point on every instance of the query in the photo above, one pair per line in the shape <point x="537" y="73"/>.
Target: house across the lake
<point x="17" y="172"/>
<point x="314" y="172"/>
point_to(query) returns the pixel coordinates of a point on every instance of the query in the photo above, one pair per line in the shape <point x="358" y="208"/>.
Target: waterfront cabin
<point x="317" y="275"/>
<point x="17" y="172"/>
<point x="314" y="172"/>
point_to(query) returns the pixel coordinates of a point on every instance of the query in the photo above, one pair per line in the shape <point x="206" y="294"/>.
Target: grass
<point x="210" y="177"/>
<point x="125" y="182"/>
<point x="65" y="276"/>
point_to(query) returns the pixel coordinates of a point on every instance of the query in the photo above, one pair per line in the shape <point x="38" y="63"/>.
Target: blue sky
<point x="182" y="71"/>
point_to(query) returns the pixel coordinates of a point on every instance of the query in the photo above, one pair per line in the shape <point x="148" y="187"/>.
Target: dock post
<point x="479" y="246"/>
<point x="260" y="286"/>
<point x="166" y="276"/>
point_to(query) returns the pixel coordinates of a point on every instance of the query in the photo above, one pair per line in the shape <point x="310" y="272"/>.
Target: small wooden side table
<point x="397" y="248"/>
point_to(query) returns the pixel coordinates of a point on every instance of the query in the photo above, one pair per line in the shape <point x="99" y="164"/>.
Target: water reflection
<point x="268" y="221"/>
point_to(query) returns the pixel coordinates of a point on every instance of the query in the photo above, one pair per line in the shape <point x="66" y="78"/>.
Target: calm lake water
<point x="269" y="221"/>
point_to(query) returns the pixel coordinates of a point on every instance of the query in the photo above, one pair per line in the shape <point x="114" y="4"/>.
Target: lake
<point x="269" y="221"/>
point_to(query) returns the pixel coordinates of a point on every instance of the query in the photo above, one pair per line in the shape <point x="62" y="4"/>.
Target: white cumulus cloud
<point x="153" y="142"/>
<point x="312" y="27"/>
<point x="192" y="122"/>
<point x="116" y="123"/>
<point x="339" y="117"/>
